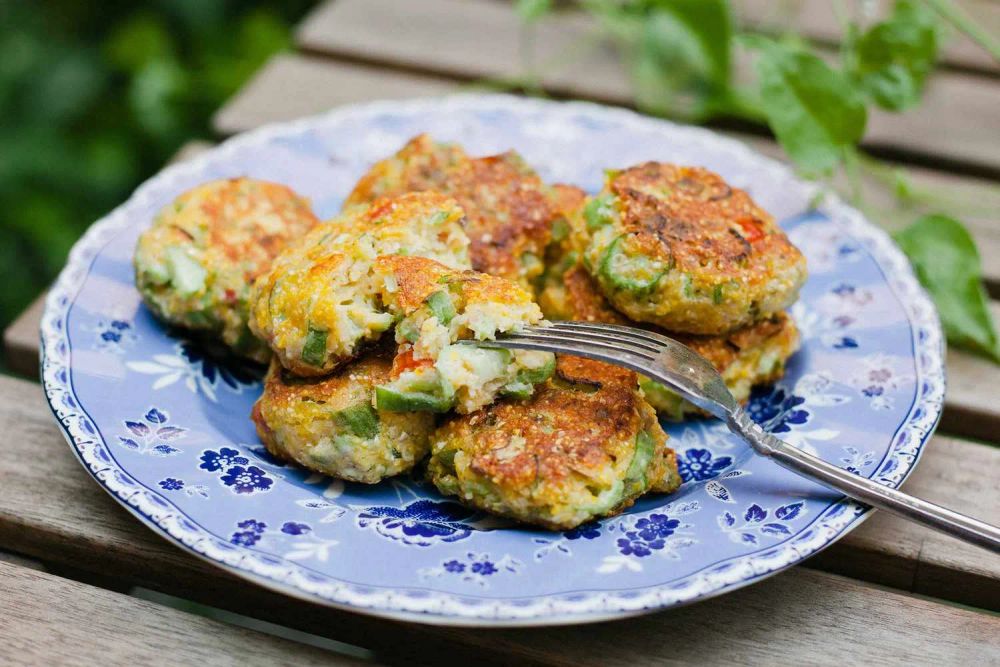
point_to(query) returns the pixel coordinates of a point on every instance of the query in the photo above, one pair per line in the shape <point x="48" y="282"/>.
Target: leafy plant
<point x="813" y="109"/>
<point x="94" y="101"/>
<point x="683" y="54"/>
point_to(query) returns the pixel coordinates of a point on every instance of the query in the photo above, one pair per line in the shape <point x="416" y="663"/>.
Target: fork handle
<point x="862" y="489"/>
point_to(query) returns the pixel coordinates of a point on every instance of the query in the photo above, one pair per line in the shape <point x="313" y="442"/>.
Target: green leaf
<point x="705" y="31"/>
<point x="532" y="10"/>
<point x="892" y="59"/>
<point x="684" y="45"/>
<point x="945" y="258"/>
<point x="814" y="110"/>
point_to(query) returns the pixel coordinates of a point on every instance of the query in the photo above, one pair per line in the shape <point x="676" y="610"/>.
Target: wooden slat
<point x="20" y="340"/>
<point x="50" y="508"/>
<point x="292" y="86"/>
<point x="956" y="123"/>
<point x="817" y="20"/>
<point x="48" y="620"/>
<point x="467" y="40"/>
<point x="297" y="96"/>
<point x="21" y="561"/>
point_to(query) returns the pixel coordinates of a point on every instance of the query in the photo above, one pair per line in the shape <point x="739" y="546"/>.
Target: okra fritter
<point x="679" y="248"/>
<point x="436" y="307"/>
<point x="751" y="356"/>
<point x="319" y="303"/>
<point x="195" y="265"/>
<point x="584" y="446"/>
<point x="509" y="211"/>
<point x="330" y="424"/>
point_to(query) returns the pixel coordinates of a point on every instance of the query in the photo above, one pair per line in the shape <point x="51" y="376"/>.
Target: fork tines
<point x="616" y="345"/>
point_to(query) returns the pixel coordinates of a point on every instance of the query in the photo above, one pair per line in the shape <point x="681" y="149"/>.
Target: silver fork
<point x="693" y="377"/>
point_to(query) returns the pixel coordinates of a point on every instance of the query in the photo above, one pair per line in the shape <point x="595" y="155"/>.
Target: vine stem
<point x="851" y="168"/>
<point x="929" y="196"/>
<point x="965" y="23"/>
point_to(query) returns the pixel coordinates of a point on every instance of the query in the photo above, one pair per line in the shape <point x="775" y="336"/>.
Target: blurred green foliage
<point x="95" y="97"/>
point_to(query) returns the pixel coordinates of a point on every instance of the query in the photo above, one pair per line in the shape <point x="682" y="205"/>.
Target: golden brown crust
<point x="671" y="480"/>
<point x="322" y="281"/>
<point x="323" y="423"/>
<point x="679" y="248"/>
<point x="508" y="209"/>
<point x="422" y="164"/>
<point x="361" y="376"/>
<point x="229" y="207"/>
<point x="233" y="229"/>
<point x="585" y="301"/>
<point x="691" y="217"/>
<point x="587" y="304"/>
<point x="418" y="277"/>
<point x="507" y="213"/>
<point x="724" y="350"/>
<point x="567" y="199"/>
<point x="564" y="430"/>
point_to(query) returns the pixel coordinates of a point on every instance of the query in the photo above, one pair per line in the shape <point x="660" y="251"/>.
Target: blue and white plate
<point x="166" y="429"/>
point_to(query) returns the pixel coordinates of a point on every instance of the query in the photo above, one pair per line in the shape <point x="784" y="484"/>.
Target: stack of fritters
<point x="340" y="397"/>
<point x="678" y="250"/>
<point x="436" y="246"/>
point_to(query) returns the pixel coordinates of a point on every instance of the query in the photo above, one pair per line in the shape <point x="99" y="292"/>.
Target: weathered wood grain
<point x="953" y="473"/>
<point x="48" y="620"/>
<point x="289" y="87"/>
<point x="296" y="96"/>
<point x="817" y="20"/>
<point x="20" y="340"/>
<point x="956" y="122"/>
<point x="51" y="509"/>
<point x="21" y="561"/>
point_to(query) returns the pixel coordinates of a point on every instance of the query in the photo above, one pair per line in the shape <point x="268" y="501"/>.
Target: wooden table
<point x="889" y="592"/>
